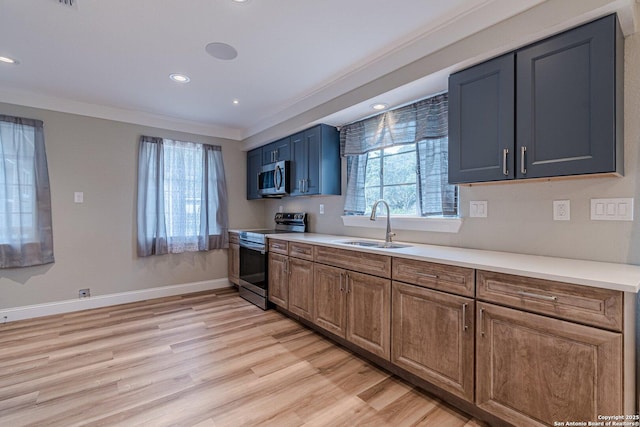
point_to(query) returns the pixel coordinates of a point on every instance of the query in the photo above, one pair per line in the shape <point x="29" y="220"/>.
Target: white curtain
<point x="26" y="236"/>
<point x="182" y="197"/>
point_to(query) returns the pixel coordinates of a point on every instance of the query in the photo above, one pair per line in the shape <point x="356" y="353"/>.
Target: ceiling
<point x="112" y="58"/>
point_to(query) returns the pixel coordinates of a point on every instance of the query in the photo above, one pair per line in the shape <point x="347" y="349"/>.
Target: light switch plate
<point x="478" y="208"/>
<point x="612" y="209"/>
<point x="78" y="197"/>
<point x="321" y="209"/>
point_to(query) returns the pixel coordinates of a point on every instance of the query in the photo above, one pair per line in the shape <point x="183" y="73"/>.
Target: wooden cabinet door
<point x="278" y="279"/>
<point x="234" y="263"/>
<point x="533" y="370"/>
<point x="369" y="313"/>
<point x="329" y="299"/>
<point x="481" y="122"/>
<point x="301" y="288"/>
<point x="433" y="337"/>
<point x="566" y="102"/>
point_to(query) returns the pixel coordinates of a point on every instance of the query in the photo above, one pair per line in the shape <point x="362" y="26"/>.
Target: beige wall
<point x="94" y="242"/>
<point x="520" y="215"/>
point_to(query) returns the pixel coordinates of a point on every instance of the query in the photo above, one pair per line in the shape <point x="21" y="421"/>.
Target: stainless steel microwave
<point x="273" y="179"/>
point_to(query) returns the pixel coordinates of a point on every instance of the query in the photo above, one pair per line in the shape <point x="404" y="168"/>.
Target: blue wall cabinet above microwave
<point x="314" y="156"/>
<point x="315" y="166"/>
<point x="276" y="151"/>
<point x="550" y="109"/>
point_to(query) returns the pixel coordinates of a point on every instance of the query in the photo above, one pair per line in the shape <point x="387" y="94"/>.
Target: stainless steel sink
<point x="372" y="244"/>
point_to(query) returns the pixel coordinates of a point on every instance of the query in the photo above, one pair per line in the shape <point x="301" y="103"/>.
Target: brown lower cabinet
<point x="354" y="306"/>
<point x="534" y="370"/>
<point x="517" y="348"/>
<point x="278" y="279"/>
<point x="301" y="288"/>
<point x="433" y="337"/>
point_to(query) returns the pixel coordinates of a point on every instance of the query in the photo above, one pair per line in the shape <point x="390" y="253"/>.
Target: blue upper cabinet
<point x="254" y="165"/>
<point x="315" y="156"/>
<point x="276" y="151"/>
<point x="481" y="125"/>
<point x="550" y="109"/>
<point x="315" y="162"/>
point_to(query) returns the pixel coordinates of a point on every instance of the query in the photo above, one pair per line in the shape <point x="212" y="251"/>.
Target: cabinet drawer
<point x="279" y="246"/>
<point x="457" y="280"/>
<point x="584" y="304"/>
<point x="301" y="250"/>
<point x="234" y="238"/>
<point x="377" y="265"/>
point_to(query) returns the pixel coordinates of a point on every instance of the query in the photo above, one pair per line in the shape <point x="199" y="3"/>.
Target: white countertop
<point x="621" y="277"/>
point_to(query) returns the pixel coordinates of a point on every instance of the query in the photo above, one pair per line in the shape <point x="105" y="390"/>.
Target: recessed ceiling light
<point x="379" y="106"/>
<point x="180" y="78"/>
<point x="236" y="102"/>
<point x="8" y="60"/>
<point x="221" y="51"/>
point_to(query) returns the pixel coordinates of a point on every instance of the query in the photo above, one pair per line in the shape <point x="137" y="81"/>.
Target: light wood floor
<point x="207" y="359"/>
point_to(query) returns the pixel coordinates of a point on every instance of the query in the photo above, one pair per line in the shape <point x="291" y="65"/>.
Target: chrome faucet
<point x="389" y="235"/>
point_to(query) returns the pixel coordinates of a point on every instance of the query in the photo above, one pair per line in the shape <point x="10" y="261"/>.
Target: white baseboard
<point x="68" y="306"/>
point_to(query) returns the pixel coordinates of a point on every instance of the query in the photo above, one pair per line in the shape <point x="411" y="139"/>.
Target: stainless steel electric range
<point x="254" y="260"/>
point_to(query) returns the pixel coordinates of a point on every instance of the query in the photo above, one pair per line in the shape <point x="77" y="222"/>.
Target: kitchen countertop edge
<point x="613" y="276"/>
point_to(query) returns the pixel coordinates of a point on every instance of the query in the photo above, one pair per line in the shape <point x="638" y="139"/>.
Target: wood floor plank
<point x="208" y="359"/>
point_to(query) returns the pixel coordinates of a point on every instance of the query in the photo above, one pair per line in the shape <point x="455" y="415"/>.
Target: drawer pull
<point x="537" y="296"/>
<point x="275" y="246"/>
<point x="348" y="287"/>
<point x="430" y="276"/>
<point x="300" y="251"/>
<point x="505" y="169"/>
<point x="464" y="316"/>
<point x="341" y="288"/>
<point x="482" y="321"/>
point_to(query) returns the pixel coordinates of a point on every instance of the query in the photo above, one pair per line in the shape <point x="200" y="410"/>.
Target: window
<point x="182" y="197"/>
<point x="391" y="175"/>
<point x="400" y="156"/>
<point x="25" y="201"/>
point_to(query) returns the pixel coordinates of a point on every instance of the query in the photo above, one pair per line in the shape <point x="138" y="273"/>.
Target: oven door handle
<point x="253" y="247"/>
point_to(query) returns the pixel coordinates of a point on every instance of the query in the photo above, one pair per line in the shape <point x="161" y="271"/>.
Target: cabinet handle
<point x="482" y="321"/>
<point x="523" y="163"/>
<point x="347" y="280"/>
<point x="306" y="184"/>
<point x="288" y="267"/>
<point x="505" y="169"/>
<point x="300" y="185"/>
<point x="341" y="288"/>
<point x="538" y="296"/>
<point x="430" y="276"/>
<point x="464" y="316"/>
<point x="275" y="246"/>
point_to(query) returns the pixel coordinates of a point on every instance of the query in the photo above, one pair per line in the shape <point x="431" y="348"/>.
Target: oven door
<point x="253" y="268"/>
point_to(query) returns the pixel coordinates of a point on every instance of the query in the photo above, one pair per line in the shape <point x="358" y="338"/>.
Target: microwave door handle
<point x="278" y="174"/>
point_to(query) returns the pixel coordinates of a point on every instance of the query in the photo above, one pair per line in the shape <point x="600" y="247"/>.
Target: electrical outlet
<point x="321" y="209"/>
<point x="84" y="293"/>
<point x="78" y="197"/>
<point x="561" y="210"/>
